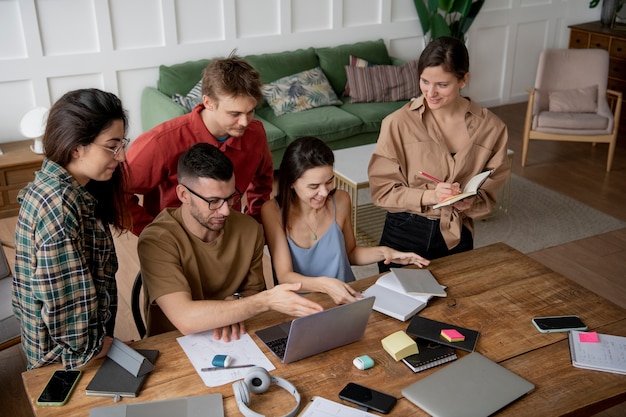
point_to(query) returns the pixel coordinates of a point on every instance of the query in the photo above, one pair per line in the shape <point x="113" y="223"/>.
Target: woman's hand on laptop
<point x="284" y="298"/>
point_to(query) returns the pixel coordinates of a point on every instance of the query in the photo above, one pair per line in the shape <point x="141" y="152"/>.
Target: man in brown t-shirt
<point x="201" y="263"/>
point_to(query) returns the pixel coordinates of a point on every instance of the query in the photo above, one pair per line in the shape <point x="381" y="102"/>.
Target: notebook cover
<point x="431" y="330"/>
<point x="430" y="355"/>
<point x="111" y="379"/>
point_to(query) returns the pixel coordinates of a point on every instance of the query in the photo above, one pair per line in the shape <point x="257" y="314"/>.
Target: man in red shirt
<point x="230" y="92"/>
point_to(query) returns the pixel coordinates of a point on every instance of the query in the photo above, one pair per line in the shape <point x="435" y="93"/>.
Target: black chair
<point x="9" y="324"/>
<point x="137" y="305"/>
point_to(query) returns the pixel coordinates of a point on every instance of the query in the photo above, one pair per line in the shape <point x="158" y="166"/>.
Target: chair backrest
<point x="9" y="324"/>
<point x="565" y="69"/>
<point x="138" y="305"/>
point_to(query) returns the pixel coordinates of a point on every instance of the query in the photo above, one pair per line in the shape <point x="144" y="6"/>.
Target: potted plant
<point x="447" y="17"/>
<point x="609" y="9"/>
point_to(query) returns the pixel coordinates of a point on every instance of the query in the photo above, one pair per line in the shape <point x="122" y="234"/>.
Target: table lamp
<point x="33" y="125"/>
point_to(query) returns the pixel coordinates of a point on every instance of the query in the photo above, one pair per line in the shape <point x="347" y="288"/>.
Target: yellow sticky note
<point x="399" y="345"/>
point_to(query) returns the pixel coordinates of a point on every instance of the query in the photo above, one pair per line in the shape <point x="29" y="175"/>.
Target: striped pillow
<point x="383" y="83"/>
<point x="355" y="61"/>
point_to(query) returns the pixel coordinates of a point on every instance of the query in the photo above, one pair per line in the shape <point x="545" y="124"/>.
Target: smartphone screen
<point x="367" y="397"/>
<point x="59" y="387"/>
<point x="559" y="324"/>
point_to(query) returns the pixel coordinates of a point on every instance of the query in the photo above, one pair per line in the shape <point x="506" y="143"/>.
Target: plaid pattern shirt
<point x="64" y="290"/>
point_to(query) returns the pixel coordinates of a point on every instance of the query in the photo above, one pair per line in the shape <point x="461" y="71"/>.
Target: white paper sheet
<point x="201" y="348"/>
<point x="321" y="407"/>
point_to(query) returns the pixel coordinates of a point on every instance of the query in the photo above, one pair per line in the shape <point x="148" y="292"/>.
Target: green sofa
<point x="340" y="126"/>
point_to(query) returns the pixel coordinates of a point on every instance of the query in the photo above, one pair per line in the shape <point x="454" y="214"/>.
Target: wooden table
<point x="495" y="289"/>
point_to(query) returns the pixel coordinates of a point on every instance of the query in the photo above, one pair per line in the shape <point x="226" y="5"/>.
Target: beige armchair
<point x="570" y="101"/>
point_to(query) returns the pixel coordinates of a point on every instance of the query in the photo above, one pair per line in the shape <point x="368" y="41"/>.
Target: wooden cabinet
<point x="594" y="35"/>
<point x="17" y="168"/>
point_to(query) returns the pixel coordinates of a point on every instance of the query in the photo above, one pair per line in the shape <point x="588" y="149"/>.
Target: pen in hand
<point x="430" y="177"/>
<point x="219" y="368"/>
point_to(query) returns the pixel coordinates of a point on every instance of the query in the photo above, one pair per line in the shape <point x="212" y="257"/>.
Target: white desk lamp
<point x="33" y="125"/>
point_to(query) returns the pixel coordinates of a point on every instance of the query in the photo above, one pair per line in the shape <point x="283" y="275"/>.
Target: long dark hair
<point x="447" y="52"/>
<point x="76" y="119"/>
<point x="301" y="155"/>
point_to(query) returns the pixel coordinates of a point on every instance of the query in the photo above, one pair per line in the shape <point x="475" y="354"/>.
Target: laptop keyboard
<point x="278" y="346"/>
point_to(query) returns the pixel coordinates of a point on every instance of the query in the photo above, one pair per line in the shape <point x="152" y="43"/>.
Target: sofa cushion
<point x="383" y="83"/>
<point x="276" y="138"/>
<point x="585" y="123"/>
<point x="192" y="99"/>
<point x="372" y="114"/>
<point x="333" y="59"/>
<point x="281" y="64"/>
<point x="355" y="62"/>
<point x="304" y="90"/>
<point x="180" y="78"/>
<point x="328" y="123"/>
<point x="575" y="100"/>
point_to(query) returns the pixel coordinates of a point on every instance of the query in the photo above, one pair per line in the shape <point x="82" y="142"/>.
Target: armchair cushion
<point x="575" y="100"/>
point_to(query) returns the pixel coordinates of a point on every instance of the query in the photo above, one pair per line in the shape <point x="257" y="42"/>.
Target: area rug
<point x="537" y="218"/>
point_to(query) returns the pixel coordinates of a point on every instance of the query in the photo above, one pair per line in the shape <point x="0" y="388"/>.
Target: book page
<point x="471" y="188"/>
<point x="608" y="354"/>
<point x="391" y="282"/>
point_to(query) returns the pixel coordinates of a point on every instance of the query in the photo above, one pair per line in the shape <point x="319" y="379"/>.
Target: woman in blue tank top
<point x="308" y="226"/>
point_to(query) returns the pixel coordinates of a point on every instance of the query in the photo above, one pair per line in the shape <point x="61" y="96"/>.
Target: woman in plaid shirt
<point x="64" y="291"/>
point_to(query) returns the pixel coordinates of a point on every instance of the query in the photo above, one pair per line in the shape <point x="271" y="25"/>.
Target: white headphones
<point x="258" y="380"/>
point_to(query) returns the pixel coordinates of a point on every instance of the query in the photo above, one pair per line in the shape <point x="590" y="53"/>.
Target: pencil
<point x="219" y="368"/>
<point x="430" y="177"/>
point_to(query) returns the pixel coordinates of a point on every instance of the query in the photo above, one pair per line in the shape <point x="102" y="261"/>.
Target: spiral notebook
<point x="430" y="354"/>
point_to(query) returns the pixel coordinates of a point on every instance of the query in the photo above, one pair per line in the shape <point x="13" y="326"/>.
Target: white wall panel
<point x="408" y="49"/>
<point x="11" y="28"/>
<point x="61" y="85"/>
<point x="136" y="24"/>
<point x="309" y="16"/>
<point x="199" y="21"/>
<point x="531" y="40"/>
<point x="487" y="49"/>
<point x="64" y="33"/>
<point x="257" y="18"/>
<point x="361" y="12"/>
<point x="18" y="97"/>
<point x="403" y="10"/>
<point x="130" y="86"/>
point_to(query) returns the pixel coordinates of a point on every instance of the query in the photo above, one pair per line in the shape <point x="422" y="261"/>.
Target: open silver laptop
<point x="319" y="332"/>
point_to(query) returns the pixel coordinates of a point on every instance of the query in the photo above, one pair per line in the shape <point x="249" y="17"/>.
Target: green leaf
<point x="423" y="14"/>
<point x="439" y="27"/>
<point x="471" y="15"/>
<point x="446" y="5"/>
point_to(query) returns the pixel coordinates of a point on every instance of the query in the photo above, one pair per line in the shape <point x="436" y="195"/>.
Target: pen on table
<point x="219" y="368"/>
<point x="430" y="177"/>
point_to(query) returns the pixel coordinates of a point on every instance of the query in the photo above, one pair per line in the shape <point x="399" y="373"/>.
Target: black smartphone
<point x="367" y="397"/>
<point x="59" y="387"/>
<point x="559" y="324"/>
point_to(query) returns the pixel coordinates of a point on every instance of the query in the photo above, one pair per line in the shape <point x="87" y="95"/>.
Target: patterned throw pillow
<point x="355" y="62"/>
<point x="383" y="83"/>
<point x="301" y="91"/>
<point x="192" y="99"/>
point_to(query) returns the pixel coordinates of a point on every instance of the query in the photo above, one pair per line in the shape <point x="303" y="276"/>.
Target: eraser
<point x="452" y="335"/>
<point x="399" y="345"/>
<point x="221" y="361"/>
<point x="363" y="362"/>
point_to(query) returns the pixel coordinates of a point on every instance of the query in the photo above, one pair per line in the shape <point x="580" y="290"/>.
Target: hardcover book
<point x="393" y="300"/>
<point x="430" y="354"/>
<point x="112" y="379"/>
<point x="431" y="330"/>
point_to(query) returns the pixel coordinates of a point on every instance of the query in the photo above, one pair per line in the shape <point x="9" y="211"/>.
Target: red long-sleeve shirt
<point x="153" y="159"/>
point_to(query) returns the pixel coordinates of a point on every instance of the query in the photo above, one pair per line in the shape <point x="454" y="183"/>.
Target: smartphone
<point x="59" y="387"/>
<point x="559" y="324"/>
<point x="367" y="397"/>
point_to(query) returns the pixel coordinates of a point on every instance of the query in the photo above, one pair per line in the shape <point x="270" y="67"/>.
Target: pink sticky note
<point x="588" y="337"/>
<point x="452" y="335"/>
